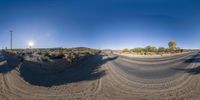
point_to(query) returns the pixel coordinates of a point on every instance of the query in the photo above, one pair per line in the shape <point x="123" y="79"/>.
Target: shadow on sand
<point x="193" y="59"/>
<point x="192" y="71"/>
<point x="87" y="69"/>
<point x="12" y="63"/>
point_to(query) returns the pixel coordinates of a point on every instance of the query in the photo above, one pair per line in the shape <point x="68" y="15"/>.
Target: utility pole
<point x="11" y="39"/>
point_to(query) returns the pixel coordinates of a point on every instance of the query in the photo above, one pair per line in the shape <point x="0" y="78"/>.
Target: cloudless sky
<point x="102" y="24"/>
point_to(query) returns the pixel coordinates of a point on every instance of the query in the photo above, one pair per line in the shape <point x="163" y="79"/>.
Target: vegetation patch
<point x="152" y="50"/>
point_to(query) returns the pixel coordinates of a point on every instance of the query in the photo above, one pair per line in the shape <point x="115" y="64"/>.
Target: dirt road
<point x="107" y="78"/>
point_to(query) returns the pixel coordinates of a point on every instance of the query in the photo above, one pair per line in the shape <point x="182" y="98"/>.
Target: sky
<point x="102" y="24"/>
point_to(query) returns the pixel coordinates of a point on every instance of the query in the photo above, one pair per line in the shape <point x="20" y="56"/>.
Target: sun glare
<point x="31" y="44"/>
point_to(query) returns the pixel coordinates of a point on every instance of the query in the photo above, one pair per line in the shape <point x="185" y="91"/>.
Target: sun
<point x="30" y="44"/>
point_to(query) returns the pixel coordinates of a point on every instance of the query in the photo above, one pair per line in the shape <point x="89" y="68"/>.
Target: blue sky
<point x="102" y="24"/>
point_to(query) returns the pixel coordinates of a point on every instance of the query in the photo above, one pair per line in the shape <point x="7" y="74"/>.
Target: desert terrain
<point x="99" y="76"/>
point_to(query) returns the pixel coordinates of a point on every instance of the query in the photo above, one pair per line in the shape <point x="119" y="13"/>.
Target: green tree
<point x="138" y="50"/>
<point x="172" y="44"/>
<point x="178" y="50"/>
<point x="161" y="49"/>
<point x="151" y="49"/>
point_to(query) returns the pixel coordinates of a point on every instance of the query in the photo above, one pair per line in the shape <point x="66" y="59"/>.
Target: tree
<point x="178" y="50"/>
<point x="151" y="49"/>
<point x="138" y="50"/>
<point x="161" y="49"/>
<point x="172" y="44"/>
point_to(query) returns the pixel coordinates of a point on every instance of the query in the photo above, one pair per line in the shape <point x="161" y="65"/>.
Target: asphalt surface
<point x="154" y="68"/>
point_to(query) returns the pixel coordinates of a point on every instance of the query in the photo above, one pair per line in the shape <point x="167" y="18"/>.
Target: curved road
<point x="126" y="78"/>
<point x="153" y="68"/>
<point x="175" y="77"/>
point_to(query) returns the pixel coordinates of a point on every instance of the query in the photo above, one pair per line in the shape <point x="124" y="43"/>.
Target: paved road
<point x="174" y="77"/>
<point x="154" y="68"/>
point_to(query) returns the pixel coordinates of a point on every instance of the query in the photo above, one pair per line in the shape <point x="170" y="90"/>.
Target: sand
<point x="98" y="78"/>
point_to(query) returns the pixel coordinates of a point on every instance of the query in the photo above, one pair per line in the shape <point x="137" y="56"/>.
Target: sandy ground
<point x="107" y="78"/>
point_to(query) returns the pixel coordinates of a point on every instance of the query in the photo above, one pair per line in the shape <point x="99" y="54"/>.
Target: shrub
<point x="161" y="50"/>
<point x="39" y="53"/>
<point x="57" y="56"/>
<point x="72" y="57"/>
<point x="178" y="50"/>
<point x="151" y="49"/>
<point x="125" y="50"/>
<point x="137" y="50"/>
<point x="45" y="58"/>
<point x="46" y="54"/>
